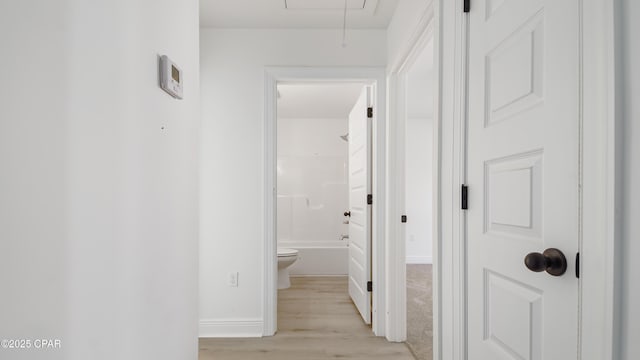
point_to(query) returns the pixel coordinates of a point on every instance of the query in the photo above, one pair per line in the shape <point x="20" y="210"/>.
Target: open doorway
<point x="323" y="220"/>
<point x="413" y="221"/>
<point x="312" y="176"/>
<point x="309" y="149"/>
<point x="419" y="201"/>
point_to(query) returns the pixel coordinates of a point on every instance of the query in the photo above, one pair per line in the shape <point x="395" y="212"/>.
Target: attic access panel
<point x="324" y="4"/>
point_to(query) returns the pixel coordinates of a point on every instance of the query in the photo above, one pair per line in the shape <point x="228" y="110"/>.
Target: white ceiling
<point x="317" y="101"/>
<point x="316" y="14"/>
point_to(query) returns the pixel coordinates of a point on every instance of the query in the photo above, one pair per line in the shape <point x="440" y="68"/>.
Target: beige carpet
<point x="316" y="320"/>
<point x="419" y="311"/>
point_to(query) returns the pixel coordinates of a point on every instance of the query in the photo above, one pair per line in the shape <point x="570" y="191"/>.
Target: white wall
<point x="98" y="204"/>
<point x="629" y="90"/>
<point x="402" y="27"/>
<point x="232" y="216"/>
<point x="419" y="190"/>
<point x="419" y="143"/>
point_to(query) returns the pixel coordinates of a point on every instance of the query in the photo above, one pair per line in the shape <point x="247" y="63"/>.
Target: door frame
<point x="370" y="75"/>
<point x="598" y="233"/>
<point x="397" y="274"/>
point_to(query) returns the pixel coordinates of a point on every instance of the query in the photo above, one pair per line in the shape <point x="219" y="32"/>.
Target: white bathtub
<point x="319" y="260"/>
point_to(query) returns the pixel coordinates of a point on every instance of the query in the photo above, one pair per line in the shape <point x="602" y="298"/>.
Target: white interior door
<point x="360" y="221"/>
<point x="523" y="173"/>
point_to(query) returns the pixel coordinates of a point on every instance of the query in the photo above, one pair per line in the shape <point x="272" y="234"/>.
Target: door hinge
<point x="464" y="197"/>
<point x="369" y="286"/>
<point x="403" y="218"/>
<point x="370" y="112"/>
<point x="578" y="265"/>
<point x="467" y="5"/>
<point x="369" y="199"/>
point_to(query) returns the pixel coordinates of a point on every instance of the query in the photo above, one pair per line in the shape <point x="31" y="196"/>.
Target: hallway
<point x="316" y="320"/>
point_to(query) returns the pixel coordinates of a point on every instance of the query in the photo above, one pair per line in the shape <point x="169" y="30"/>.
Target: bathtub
<point x="326" y="259"/>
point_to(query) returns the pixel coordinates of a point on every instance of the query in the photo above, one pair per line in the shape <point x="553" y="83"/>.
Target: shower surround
<point x="312" y="178"/>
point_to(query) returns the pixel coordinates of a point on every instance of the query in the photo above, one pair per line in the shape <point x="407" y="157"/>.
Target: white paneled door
<point x="523" y="173"/>
<point x="359" y="188"/>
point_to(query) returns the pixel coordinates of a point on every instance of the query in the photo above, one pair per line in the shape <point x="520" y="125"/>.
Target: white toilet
<point x="286" y="258"/>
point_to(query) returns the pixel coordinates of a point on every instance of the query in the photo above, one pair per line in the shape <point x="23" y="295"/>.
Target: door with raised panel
<point x="360" y="220"/>
<point x="523" y="174"/>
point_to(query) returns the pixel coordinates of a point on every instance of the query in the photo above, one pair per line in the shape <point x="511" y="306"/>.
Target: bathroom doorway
<point x="312" y="175"/>
<point x="310" y="154"/>
<point x="323" y="183"/>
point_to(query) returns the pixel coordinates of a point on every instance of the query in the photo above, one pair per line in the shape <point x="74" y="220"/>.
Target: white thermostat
<point x="170" y="77"/>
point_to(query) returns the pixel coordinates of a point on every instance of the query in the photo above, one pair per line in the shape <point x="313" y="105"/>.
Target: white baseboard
<point x="414" y="260"/>
<point x="231" y="328"/>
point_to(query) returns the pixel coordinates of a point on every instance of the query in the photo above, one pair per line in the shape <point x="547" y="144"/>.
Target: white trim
<point x="370" y="75"/>
<point x="599" y="239"/>
<point x="437" y="184"/>
<point x="396" y="245"/>
<point x="450" y="45"/>
<point x="270" y="273"/>
<point x="419" y="260"/>
<point x="231" y="328"/>
<point x="396" y="251"/>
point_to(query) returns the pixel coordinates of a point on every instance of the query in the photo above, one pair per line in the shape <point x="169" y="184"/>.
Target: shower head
<point x="345" y="137"/>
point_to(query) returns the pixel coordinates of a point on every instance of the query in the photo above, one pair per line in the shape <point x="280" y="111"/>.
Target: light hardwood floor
<point x="316" y="320"/>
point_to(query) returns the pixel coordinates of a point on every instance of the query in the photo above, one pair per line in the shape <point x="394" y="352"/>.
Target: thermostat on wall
<point x="170" y="77"/>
